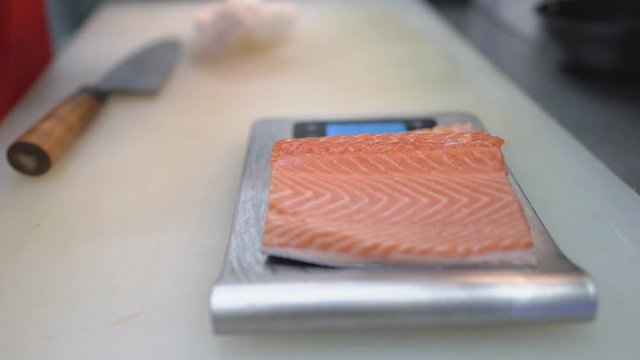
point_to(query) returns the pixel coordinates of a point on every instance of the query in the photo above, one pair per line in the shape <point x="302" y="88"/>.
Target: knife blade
<point x="144" y="72"/>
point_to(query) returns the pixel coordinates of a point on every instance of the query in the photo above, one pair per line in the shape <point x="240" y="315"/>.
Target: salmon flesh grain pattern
<point x="422" y="197"/>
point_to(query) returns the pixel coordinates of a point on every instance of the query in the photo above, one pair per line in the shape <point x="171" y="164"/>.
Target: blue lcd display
<point x="378" y="127"/>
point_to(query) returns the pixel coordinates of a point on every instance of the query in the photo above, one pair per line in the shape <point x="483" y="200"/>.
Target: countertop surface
<point x="113" y="253"/>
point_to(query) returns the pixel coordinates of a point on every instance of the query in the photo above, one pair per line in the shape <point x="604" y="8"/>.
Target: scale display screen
<point x="380" y="127"/>
<point x="351" y="127"/>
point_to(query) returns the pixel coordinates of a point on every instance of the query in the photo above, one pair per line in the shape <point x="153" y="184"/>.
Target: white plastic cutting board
<point x="113" y="253"/>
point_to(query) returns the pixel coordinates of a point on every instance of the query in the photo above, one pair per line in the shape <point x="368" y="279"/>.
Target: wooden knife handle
<point x="42" y="145"/>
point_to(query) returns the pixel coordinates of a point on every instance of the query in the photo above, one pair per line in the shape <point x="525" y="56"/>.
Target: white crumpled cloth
<point x="230" y="25"/>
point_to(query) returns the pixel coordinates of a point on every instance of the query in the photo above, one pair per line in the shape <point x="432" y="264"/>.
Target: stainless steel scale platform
<point x="256" y="293"/>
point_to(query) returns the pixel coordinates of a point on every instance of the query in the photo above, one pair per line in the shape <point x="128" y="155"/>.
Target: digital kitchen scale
<point x="257" y="293"/>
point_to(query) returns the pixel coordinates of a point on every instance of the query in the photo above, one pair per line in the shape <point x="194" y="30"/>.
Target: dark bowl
<point x="599" y="35"/>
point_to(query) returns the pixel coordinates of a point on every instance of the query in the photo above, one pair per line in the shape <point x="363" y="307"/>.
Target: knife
<point x="144" y="72"/>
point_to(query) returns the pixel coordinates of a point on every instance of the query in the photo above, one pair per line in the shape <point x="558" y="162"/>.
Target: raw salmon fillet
<point x="423" y="197"/>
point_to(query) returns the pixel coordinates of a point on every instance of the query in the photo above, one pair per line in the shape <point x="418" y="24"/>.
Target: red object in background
<point x="25" y="48"/>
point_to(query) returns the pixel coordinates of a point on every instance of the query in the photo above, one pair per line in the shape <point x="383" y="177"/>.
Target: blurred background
<point x="65" y="16"/>
<point x="578" y="59"/>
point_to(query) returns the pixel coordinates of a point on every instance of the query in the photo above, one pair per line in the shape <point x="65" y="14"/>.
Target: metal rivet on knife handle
<point x="40" y="147"/>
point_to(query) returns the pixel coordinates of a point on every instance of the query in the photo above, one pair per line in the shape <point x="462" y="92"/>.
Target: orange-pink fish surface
<point x="409" y="198"/>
